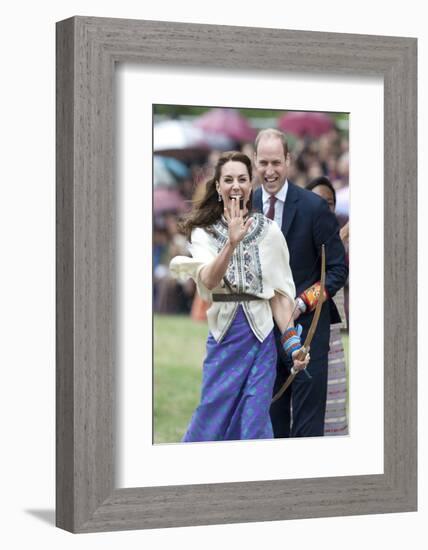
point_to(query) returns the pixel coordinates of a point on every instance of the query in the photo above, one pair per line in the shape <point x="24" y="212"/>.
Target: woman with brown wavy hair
<point x="240" y="265"/>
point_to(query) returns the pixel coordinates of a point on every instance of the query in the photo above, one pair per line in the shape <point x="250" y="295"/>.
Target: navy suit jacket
<point x="308" y="223"/>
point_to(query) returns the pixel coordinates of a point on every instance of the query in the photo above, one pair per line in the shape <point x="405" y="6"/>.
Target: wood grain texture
<point x="87" y="49"/>
<point x="64" y="279"/>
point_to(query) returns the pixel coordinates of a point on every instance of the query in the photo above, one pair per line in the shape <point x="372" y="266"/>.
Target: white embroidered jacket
<point x="259" y="266"/>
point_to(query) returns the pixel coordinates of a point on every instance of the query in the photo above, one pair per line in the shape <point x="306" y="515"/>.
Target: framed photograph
<point x="111" y="477"/>
<point x="318" y="160"/>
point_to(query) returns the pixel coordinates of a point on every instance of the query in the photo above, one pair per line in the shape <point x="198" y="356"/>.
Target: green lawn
<point x="179" y="350"/>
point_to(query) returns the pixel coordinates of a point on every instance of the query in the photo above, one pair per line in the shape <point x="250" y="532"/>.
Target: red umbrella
<point x="168" y="200"/>
<point x="306" y="123"/>
<point x="227" y="122"/>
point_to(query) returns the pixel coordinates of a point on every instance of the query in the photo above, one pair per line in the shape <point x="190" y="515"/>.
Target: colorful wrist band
<point x="290" y="340"/>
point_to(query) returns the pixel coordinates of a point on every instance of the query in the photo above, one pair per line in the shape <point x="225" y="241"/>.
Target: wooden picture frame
<point x="87" y="50"/>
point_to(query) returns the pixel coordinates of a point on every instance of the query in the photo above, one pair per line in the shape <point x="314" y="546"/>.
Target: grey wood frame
<point x="87" y="50"/>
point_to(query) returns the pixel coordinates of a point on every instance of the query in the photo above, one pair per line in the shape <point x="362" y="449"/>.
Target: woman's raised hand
<point x="235" y="220"/>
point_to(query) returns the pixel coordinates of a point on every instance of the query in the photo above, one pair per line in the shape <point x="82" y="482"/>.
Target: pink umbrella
<point x="227" y="122"/>
<point x="305" y="123"/>
<point x="168" y="200"/>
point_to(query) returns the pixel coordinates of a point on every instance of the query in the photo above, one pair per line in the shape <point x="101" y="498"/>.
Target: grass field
<point x="179" y="350"/>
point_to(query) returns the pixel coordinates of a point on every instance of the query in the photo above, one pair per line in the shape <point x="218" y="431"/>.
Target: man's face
<point x="271" y="164"/>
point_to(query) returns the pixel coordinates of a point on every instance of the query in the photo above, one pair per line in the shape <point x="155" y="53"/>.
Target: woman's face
<point x="234" y="183"/>
<point x="324" y="192"/>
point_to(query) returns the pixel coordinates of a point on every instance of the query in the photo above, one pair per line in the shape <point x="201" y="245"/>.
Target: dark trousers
<point x="300" y="411"/>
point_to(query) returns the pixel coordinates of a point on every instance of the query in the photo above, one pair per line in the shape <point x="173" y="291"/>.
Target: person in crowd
<point x="336" y="420"/>
<point x="170" y="295"/>
<point x="240" y="264"/>
<point x="306" y="223"/>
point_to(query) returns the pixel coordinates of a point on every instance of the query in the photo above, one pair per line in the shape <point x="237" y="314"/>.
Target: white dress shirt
<point x="279" y="203"/>
<point x="259" y="266"/>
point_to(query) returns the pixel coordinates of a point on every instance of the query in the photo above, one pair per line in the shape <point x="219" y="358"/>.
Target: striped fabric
<point x="336" y="418"/>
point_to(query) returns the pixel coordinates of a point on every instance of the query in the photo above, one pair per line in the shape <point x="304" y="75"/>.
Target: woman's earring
<point x="219" y="198"/>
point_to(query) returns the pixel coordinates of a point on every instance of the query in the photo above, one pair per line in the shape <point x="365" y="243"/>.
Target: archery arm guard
<point x="311" y="296"/>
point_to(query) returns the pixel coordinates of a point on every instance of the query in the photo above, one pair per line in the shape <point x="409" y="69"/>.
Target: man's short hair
<point x="272" y="133"/>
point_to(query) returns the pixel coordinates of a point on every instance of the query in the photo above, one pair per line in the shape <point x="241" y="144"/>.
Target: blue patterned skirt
<point x="237" y="384"/>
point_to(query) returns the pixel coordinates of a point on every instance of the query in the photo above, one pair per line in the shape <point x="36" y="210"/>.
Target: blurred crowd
<point x="185" y="151"/>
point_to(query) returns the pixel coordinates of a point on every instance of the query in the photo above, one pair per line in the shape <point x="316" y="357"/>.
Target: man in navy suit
<point x="307" y="223"/>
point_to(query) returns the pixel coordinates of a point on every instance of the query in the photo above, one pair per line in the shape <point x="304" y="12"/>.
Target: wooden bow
<point x="304" y="350"/>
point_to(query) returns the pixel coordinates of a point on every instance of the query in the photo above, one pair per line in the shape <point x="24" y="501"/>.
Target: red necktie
<point x="271" y="211"/>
